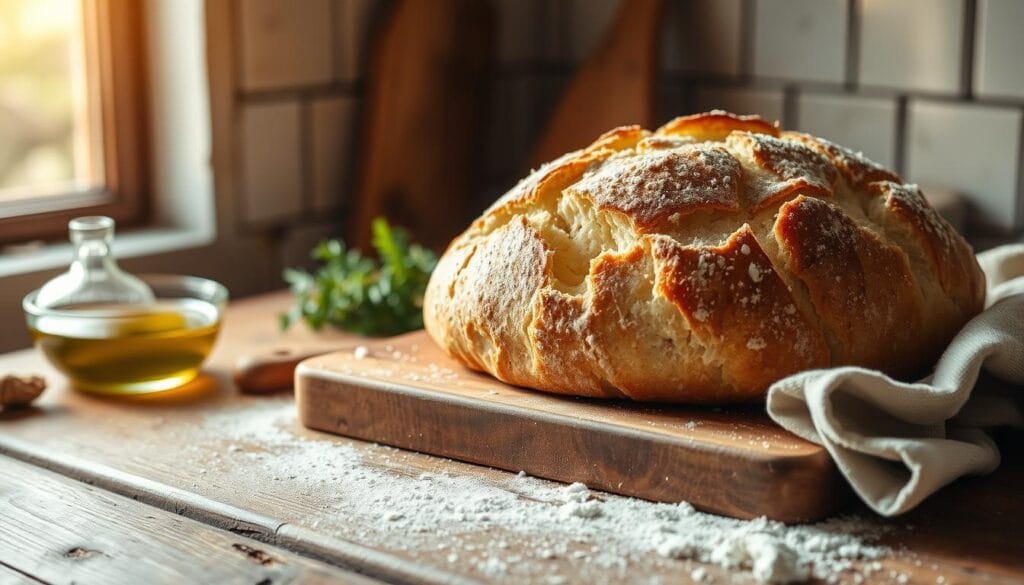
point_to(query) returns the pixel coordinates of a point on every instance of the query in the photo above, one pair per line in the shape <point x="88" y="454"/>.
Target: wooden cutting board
<point x="406" y="393"/>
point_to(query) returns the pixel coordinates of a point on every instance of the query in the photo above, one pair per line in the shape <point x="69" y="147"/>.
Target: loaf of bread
<point x="700" y="263"/>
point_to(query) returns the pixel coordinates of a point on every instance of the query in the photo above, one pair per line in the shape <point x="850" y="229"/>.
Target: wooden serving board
<point x="406" y="393"/>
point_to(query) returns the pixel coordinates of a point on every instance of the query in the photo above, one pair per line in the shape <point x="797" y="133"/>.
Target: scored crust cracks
<point x="700" y="263"/>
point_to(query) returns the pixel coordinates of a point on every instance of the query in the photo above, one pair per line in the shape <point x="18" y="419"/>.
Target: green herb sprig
<point x="360" y="294"/>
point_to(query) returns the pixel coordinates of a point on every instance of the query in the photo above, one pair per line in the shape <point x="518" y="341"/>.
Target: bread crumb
<point x="361" y="352"/>
<point x="756" y="344"/>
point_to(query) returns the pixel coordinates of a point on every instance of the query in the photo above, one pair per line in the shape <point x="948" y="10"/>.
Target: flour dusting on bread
<point x="700" y="263"/>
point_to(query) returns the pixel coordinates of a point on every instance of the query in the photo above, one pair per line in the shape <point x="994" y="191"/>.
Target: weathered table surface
<point x="204" y="484"/>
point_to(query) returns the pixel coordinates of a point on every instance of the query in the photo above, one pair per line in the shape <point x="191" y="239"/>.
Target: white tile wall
<point x="800" y="39"/>
<point x="702" y="36"/>
<point x="285" y="44"/>
<point x="767" y="103"/>
<point x="332" y="136"/>
<point x="865" y="124"/>
<point x="904" y="46"/>
<point x="911" y="44"/>
<point x="999" y="49"/>
<point x="973" y="149"/>
<point x="355" y="21"/>
<point x="589" y="20"/>
<point x="271" y="173"/>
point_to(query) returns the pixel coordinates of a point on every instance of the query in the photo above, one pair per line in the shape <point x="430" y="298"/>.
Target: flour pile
<point x="621" y="527"/>
<point x="520" y="528"/>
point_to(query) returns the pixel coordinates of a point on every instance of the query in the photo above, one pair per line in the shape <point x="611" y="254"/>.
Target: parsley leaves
<point x="360" y="294"/>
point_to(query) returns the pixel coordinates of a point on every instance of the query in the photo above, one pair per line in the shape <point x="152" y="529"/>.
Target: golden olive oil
<point x="118" y="349"/>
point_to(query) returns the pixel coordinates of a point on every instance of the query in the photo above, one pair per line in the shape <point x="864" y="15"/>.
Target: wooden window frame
<point x="116" y="78"/>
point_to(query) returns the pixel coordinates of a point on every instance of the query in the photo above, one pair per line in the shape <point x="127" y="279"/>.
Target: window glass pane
<point x="47" y="138"/>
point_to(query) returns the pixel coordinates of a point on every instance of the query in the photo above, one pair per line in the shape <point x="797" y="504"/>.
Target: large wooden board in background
<point x="406" y="393"/>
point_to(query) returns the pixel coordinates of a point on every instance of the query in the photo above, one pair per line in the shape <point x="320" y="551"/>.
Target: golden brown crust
<point x="545" y="182"/>
<point x="619" y="138"/>
<point x="700" y="263"/>
<point x="740" y="308"/>
<point x="860" y="286"/>
<point x="781" y="169"/>
<point x="948" y="254"/>
<point x="716" y="126"/>
<point x="653" y="186"/>
<point x="854" y="167"/>
<point x="498" y="278"/>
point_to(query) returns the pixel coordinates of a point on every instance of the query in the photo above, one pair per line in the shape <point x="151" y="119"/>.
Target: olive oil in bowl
<point x="125" y="349"/>
<point x="116" y="333"/>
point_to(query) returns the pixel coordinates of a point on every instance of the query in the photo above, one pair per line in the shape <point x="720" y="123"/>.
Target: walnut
<point x="18" y="391"/>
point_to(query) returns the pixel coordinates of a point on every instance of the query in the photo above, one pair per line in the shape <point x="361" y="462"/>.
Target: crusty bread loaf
<point x="700" y="263"/>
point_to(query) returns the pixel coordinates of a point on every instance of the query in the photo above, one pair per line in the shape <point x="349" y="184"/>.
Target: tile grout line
<point x="1018" y="222"/>
<point x="790" y="110"/>
<point x="747" y="25"/>
<point x="852" y="62"/>
<point x="236" y="163"/>
<point x="900" y="135"/>
<point x="967" y="39"/>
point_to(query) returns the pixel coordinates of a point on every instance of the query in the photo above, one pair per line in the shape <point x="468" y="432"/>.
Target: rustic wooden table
<point x="203" y="484"/>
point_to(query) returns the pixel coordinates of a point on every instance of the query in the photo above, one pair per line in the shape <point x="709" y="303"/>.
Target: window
<point x="72" y="108"/>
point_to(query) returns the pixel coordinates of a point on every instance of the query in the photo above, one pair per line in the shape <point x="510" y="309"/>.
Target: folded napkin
<point x="897" y="443"/>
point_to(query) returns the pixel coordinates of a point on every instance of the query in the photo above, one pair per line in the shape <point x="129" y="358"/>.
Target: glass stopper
<point x="93" y="277"/>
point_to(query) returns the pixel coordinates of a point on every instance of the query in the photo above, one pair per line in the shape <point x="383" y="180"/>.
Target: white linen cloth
<point x="897" y="443"/>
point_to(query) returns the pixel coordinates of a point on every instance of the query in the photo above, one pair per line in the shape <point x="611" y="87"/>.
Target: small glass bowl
<point x="132" y="349"/>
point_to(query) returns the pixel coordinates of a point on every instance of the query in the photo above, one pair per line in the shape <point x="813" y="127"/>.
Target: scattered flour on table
<point x="544" y="520"/>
